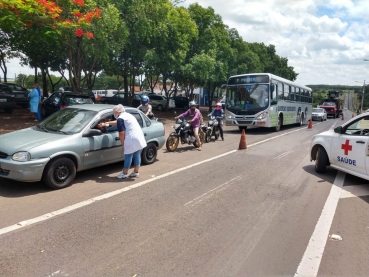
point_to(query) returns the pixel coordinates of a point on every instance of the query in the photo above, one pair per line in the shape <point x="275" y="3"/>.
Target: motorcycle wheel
<point x="172" y="143"/>
<point x="207" y="137"/>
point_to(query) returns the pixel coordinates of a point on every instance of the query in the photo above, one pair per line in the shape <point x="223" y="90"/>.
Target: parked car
<point x="182" y="102"/>
<point x="120" y="98"/>
<point x="345" y="148"/>
<point x="20" y="93"/>
<point x="7" y="102"/>
<point x="319" y="114"/>
<point x="89" y="93"/>
<point x="159" y="102"/>
<point x="61" y="100"/>
<point x="69" y="141"/>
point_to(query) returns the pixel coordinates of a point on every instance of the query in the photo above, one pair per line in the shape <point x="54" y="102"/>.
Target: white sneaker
<point x="122" y="176"/>
<point x="134" y="174"/>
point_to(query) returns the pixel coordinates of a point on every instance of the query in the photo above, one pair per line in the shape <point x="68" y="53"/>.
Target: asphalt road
<point x="245" y="213"/>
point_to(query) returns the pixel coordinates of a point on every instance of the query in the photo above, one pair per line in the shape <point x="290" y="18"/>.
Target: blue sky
<point x="326" y="41"/>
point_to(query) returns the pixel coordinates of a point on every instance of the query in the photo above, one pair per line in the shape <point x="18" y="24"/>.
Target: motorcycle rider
<point x="194" y="115"/>
<point x="145" y="107"/>
<point x="219" y="115"/>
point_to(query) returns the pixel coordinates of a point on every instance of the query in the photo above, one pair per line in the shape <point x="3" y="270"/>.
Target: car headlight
<point x="21" y="156"/>
<point x="262" y="116"/>
<point x="229" y="115"/>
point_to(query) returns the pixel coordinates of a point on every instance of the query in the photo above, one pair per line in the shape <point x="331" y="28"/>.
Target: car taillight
<point x="63" y="106"/>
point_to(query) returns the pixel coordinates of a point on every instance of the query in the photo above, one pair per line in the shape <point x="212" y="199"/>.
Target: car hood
<point x="26" y="139"/>
<point x="329" y="133"/>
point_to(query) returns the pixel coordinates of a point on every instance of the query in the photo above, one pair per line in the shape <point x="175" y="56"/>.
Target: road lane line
<point x="312" y="257"/>
<point x="125" y="189"/>
<point x="283" y="155"/>
<point x="212" y="190"/>
<point x="307" y="142"/>
<point x="355" y="191"/>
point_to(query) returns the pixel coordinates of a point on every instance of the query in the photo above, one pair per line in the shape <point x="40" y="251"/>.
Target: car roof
<point x="103" y="107"/>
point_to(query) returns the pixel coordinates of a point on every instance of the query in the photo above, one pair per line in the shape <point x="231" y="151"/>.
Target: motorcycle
<point x="212" y="129"/>
<point x="183" y="132"/>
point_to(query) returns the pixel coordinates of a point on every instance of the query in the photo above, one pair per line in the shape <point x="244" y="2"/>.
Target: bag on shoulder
<point x="201" y="118"/>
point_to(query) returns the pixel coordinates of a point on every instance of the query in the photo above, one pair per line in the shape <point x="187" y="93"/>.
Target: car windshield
<point x="67" y="121"/>
<point x="318" y="110"/>
<point x="328" y="104"/>
<point x="72" y="100"/>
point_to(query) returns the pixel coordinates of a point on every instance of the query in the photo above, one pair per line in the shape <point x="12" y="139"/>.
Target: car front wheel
<point x="321" y="161"/>
<point x="59" y="173"/>
<point x="149" y="154"/>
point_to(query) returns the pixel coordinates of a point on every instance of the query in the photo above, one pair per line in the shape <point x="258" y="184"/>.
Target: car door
<point x="51" y="104"/>
<point x="104" y="149"/>
<point x="349" y="150"/>
<point x="154" y="101"/>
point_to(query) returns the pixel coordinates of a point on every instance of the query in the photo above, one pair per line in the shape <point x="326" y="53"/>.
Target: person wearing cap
<point x="145" y="107"/>
<point x="219" y="115"/>
<point x="194" y="115"/>
<point x="132" y="138"/>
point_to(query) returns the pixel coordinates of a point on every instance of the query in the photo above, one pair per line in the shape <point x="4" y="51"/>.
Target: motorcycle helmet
<point x="144" y="100"/>
<point x="218" y="106"/>
<point x="192" y="103"/>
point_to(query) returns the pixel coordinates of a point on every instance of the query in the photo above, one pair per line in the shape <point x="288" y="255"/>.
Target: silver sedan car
<point x="319" y="114"/>
<point x="69" y="141"/>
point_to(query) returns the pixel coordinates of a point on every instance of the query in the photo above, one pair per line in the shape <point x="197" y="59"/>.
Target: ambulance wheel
<point x="321" y="161"/>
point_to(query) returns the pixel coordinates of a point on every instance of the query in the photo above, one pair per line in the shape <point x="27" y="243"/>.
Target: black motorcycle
<point x="184" y="133"/>
<point x="212" y="129"/>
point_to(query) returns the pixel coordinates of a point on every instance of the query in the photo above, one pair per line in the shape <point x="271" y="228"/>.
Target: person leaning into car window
<point x="132" y="138"/>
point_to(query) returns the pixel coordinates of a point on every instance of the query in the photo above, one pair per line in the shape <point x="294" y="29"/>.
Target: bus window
<point x="292" y="94"/>
<point x="280" y="91"/>
<point x="286" y="92"/>
<point x="273" y="95"/>
<point x="298" y="96"/>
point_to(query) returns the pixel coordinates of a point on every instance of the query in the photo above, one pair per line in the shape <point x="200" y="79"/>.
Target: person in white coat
<point x="132" y="138"/>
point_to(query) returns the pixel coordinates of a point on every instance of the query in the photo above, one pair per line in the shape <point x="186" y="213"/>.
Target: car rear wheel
<point x="321" y="161"/>
<point x="59" y="173"/>
<point x="149" y="154"/>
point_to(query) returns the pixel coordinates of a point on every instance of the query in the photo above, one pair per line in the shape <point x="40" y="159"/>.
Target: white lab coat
<point x="134" y="138"/>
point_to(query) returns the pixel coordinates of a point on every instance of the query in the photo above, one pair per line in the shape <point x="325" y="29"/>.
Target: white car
<point x="345" y="148"/>
<point x="319" y="114"/>
<point x="159" y="102"/>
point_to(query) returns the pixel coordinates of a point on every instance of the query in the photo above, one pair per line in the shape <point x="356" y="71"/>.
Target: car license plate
<point x="2" y="100"/>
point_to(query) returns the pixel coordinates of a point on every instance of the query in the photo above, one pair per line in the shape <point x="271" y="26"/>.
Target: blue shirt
<point x="120" y="125"/>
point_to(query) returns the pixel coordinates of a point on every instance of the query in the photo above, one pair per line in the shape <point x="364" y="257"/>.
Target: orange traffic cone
<point x="310" y="126"/>
<point x="242" y="141"/>
<point x="342" y="117"/>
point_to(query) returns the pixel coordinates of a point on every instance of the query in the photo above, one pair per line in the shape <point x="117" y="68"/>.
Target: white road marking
<point x="355" y="191"/>
<point x="283" y="155"/>
<point x="307" y="142"/>
<point x="334" y="124"/>
<point x="310" y="262"/>
<point x="200" y="198"/>
<point x="125" y="189"/>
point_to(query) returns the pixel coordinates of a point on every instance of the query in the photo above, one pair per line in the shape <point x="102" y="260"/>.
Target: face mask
<point x="116" y="116"/>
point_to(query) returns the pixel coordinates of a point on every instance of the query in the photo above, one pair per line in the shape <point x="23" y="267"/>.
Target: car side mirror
<point x="338" y="130"/>
<point x="91" y="133"/>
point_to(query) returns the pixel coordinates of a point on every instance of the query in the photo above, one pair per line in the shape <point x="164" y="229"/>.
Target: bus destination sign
<point x="249" y="79"/>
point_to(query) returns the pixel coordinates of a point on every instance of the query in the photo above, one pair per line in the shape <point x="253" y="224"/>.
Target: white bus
<point x="266" y="100"/>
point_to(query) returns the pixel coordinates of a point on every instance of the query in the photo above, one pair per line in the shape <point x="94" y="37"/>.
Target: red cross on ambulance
<point x="346" y="147"/>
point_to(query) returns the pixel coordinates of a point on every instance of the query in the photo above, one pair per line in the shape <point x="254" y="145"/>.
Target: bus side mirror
<point x="273" y="102"/>
<point x="272" y="89"/>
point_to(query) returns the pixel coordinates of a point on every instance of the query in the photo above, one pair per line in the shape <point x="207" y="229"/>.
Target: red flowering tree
<point x="41" y="24"/>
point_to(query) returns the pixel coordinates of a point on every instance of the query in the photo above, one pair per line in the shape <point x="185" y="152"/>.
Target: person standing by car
<point x="34" y="103"/>
<point x="132" y="138"/>
<point x="194" y="115"/>
<point x="145" y="107"/>
<point x="219" y="115"/>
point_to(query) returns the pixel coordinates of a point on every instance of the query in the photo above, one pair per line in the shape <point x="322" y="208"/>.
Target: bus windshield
<point x="248" y="97"/>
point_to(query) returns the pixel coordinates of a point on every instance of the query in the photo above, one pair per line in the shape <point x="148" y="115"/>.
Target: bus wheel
<point x="279" y="124"/>
<point x="301" y="119"/>
<point x="242" y="128"/>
